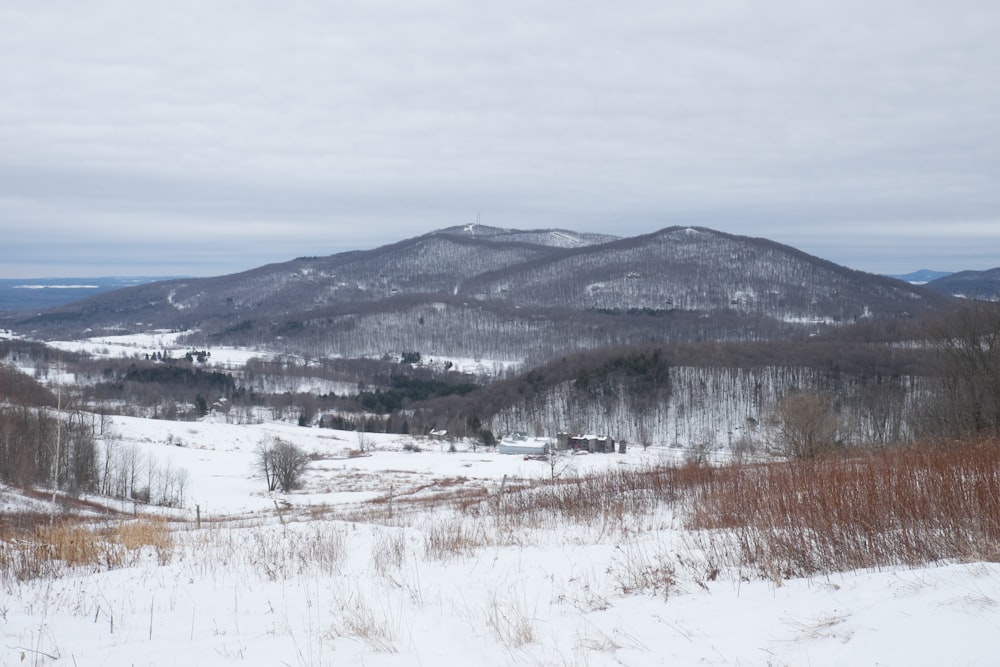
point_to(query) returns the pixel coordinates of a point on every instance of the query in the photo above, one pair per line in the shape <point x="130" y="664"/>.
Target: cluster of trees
<point x="53" y="442"/>
<point x="201" y="356"/>
<point x="179" y="377"/>
<point x="957" y="399"/>
<point x="871" y="385"/>
<point x="129" y="473"/>
<point x="488" y="330"/>
<point x="157" y="390"/>
<point x="966" y="397"/>
<point x="18" y="388"/>
<point x="40" y="447"/>
<point x="796" y="398"/>
<point x="404" y="390"/>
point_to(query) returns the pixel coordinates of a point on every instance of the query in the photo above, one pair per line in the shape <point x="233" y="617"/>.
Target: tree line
<point x="941" y="381"/>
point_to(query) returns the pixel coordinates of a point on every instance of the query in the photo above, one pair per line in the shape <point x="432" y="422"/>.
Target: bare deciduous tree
<point x="807" y="424"/>
<point x="967" y="397"/>
<point x="281" y="464"/>
<point x="882" y="403"/>
<point x="560" y="462"/>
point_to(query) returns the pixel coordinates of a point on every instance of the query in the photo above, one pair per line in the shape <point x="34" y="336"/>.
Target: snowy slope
<point x="371" y="563"/>
<point x="328" y="582"/>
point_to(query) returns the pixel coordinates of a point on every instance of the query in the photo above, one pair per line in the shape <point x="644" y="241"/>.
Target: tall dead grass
<point x="45" y="550"/>
<point x="510" y="621"/>
<point x="870" y="509"/>
<point x="866" y="509"/>
<point x="900" y="506"/>
<point x="453" y="538"/>
<point x="273" y="553"/>
<point x="606" y="498"/>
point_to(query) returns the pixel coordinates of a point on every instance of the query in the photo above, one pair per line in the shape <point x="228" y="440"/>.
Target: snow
<point x="567" y="240"/>
<point x="128" y="346"/>
<point x="791" y="319"/>
<point x="55" y="286"/>
<point x="122" y="346"/>
<point x="372" y="592"/>
<point x="355" y="568"/>
<point x="220" y="460"/>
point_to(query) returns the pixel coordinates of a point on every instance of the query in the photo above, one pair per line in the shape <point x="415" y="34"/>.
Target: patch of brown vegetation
<point x="46" y="549"/>
<point x="900" y="506"/>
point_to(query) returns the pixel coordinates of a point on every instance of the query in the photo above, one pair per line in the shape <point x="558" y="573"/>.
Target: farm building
<point x="588" y="443"/>
<point x="520" y="443"/>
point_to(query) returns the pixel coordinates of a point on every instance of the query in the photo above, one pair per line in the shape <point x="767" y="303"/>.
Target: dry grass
<point x="869" y="509"/>
<point x="273" y="553"/>
<point x="899" y="506"/>
<point x="509" y="621"/>
<point x="388" y="551"/>
<point x="640" y="569"/>
<point x="134" y="535"/>
<point x="45" y="550"/>
<point x="360" y="620"/>
<point x="599" y="499"/>
<point x="454" y="538"/>
<point x="902" y="506"/>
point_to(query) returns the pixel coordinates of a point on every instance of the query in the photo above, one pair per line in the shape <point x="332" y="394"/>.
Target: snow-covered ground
<point x="129" y="346"/>
<point x="221" y="461"/>
<point x="318" y="584"/>
<point x="370" y="563"/>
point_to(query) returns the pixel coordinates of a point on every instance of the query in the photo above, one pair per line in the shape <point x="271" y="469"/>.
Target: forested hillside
<point x="703" y="395"/>
<point x="980" y="285"/>
<point x="506" y="295"/>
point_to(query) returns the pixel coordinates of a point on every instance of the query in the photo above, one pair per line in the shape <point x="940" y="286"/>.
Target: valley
<point x="769" y="420"/>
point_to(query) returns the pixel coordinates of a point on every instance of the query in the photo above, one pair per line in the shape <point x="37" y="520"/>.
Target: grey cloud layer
<point x="357" y="123"/>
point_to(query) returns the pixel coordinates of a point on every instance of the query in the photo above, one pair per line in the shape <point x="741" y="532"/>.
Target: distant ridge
<point x="980" y="285"/>
<point x="922" y="277"/>
<point x="484" y="292"/>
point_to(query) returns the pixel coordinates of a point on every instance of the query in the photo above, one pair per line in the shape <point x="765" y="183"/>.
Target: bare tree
<point x="881" y="407"/>
<point x="807" y="424"/>
<point x="364" y="442"/>
<point x="281" y="464"/>
<point x="560" y="462"/>
<point x="966" y="400"/>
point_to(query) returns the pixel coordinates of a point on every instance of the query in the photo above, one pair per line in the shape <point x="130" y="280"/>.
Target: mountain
<point x="921" y="277"/>
<point x="695" y="269"/>
<point x="484" y="292"/>
<point x="556" y="238"/>
<point x="981" y="285"/>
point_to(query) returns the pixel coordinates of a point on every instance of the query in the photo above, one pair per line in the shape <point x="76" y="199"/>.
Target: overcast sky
<point x="206" y="137"/>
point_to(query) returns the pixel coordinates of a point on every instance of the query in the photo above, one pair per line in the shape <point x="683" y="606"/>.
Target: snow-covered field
<point x="318" y="583"/>
<point x="134" y="346"/>
<point x="129" y="346"/>
<point x="372" y="563"/>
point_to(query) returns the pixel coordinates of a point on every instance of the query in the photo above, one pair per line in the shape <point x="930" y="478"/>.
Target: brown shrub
<point x="902" y="506"/>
